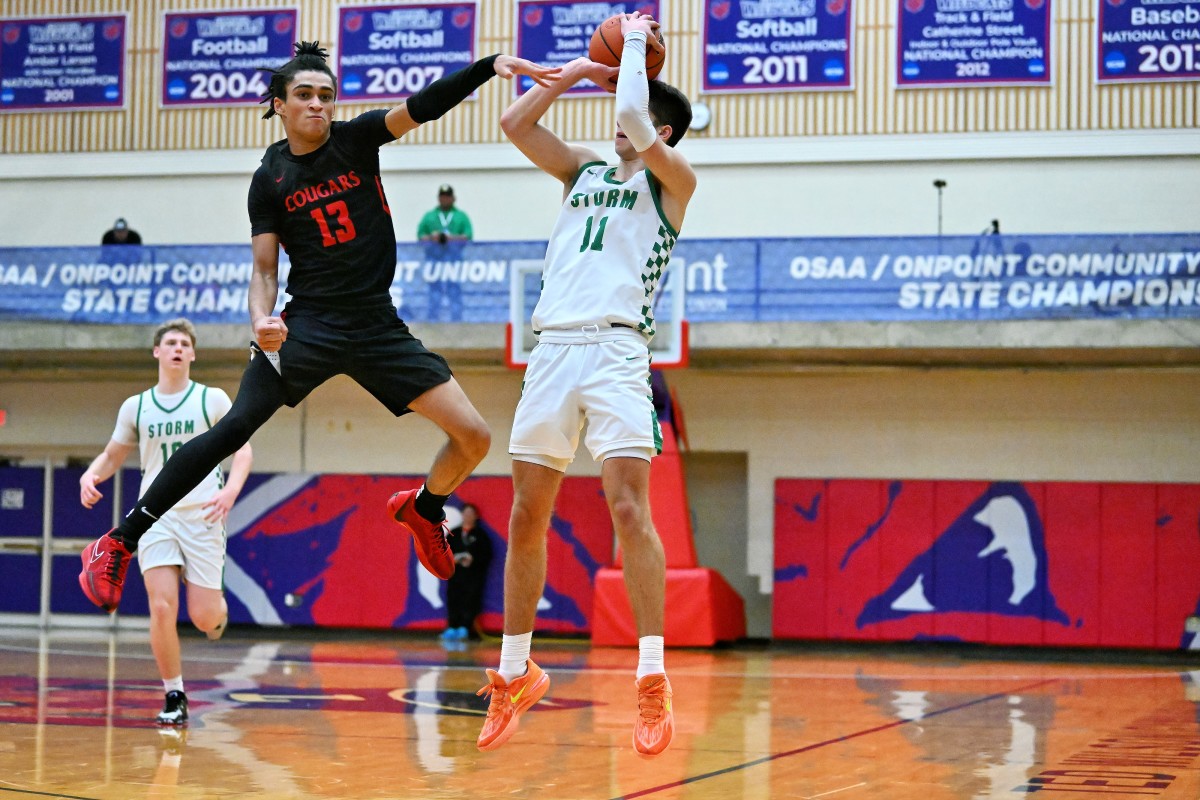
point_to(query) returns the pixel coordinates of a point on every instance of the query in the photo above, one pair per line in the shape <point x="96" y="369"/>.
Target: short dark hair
<point x="669" y="106"/>
<point x="310" y="56"/>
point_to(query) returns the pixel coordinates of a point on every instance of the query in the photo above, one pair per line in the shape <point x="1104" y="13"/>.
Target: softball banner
<point x="896" y="279"/>
<point x="777" y="45"/>
<point x="390" y="52"/>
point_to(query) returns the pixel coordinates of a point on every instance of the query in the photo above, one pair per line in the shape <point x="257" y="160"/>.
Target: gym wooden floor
<point x="358" y="716"/>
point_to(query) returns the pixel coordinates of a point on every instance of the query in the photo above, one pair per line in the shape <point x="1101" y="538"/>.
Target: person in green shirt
<point x="446" y="223"/>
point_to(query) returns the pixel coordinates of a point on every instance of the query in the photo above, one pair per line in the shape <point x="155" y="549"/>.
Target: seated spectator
<point x="121" y="233"/>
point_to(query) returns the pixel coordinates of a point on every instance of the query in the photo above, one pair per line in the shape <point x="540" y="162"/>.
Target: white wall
<point x="1114" y="182"/>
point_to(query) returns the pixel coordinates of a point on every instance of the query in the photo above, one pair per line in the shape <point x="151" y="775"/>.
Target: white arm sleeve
<point x="633" y="93"/>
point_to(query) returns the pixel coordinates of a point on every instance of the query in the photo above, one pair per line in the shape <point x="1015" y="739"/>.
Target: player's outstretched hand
<point x="602" y="75"/>
<point x="507" y="66"/>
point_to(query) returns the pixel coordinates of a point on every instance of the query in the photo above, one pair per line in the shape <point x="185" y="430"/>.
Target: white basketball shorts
<point x="601" y="377"/>
<point x="182" y="538"/>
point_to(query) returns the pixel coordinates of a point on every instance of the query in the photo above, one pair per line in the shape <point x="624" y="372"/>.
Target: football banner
<point x="222" y="57"/>
<point x="388" y="52"/>
<point x="62" y="63"/>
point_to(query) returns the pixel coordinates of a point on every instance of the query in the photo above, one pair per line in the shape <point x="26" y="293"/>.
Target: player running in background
<point x="188" y="541"/>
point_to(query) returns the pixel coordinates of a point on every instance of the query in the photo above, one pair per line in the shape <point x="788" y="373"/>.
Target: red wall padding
<point x="1057" y="564"/>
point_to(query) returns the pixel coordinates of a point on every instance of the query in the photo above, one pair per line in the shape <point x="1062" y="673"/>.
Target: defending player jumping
<point x="318" y="193"/>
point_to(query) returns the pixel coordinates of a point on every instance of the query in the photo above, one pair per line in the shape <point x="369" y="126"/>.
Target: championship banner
<point x="62" y="63"/>
<point x="777" y="45"/>
<point x="221" y="57"/>
<point x="389" y="52"/>
<point x="553" y="32"/>
<point x="1147" y="40"/>
<point x="973" y="43"/>
<point x="895" y="279"/>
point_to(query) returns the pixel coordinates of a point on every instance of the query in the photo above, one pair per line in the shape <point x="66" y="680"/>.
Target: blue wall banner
<point x="218" y="57"/>
<point x="901" y="279"/>
<point x="1147" y="40"/>
<point x="62" y="63"/>
<point x="777" y="45"/>
<point x="388" y="52"/>
<point x="973" y="42"/>
<point x="553" y="32"/>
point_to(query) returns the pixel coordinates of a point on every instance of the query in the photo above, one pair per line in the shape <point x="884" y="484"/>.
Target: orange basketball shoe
<point x="102" y="579"/>
<point x="429" y="537"/>
<point x="655" y="723"/>
<point x="509" y="701"/>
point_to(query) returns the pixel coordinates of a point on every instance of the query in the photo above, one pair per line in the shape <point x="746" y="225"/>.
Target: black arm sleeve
<point x="445" y="93"/>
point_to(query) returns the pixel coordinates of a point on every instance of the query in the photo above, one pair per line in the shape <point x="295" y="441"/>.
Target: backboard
<point x="668" y="348"/>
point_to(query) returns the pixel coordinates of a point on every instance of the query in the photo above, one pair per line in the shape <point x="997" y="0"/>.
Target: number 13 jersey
<point x="606" y="255"/>
<point x="328" y="209"/>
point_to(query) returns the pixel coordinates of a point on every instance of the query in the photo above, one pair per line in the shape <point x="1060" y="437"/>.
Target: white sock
<point x="650" y="656"/>
<point x="514" y="652"/>
<point x="173" y="684"/>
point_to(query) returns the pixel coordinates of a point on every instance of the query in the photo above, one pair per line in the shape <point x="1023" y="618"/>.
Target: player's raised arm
<point x="445" y="93"/>
<point x="521" y="121"/>
<point x="655" y="124"/>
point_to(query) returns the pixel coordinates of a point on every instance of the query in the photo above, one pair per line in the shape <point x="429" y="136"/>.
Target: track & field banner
<point x="973" y="42"/>
<point x="62" y="63"/>
<point x="554" y="32"/>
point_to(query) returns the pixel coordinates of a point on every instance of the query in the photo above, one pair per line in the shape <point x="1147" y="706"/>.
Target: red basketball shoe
<point x="656" y="721"/>
<point x="103" y="577"/>
<point x="508" y="701"/>
<point x="429" y="537"/>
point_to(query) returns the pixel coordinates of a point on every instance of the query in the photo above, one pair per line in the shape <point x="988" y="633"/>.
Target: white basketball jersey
<point x="160" y="424"/>
<point x="607" y="254"/>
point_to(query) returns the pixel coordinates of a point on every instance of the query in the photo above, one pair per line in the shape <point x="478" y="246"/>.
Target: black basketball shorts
<point x="372" y="346"/>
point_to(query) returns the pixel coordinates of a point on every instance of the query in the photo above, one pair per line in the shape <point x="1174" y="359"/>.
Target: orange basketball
<point x="608" y="43"/>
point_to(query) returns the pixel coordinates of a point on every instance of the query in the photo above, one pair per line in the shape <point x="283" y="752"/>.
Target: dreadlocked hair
<point x="310" y="56"/>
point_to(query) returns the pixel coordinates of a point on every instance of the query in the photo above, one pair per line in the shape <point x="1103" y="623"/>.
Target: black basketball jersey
<point x="330" y="213"/>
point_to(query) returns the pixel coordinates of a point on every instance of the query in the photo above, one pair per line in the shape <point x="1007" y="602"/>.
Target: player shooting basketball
<point x="604" y="262"/>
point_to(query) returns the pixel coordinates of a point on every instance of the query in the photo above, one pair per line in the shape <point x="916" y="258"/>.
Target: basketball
<point x="608" y="43"/>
